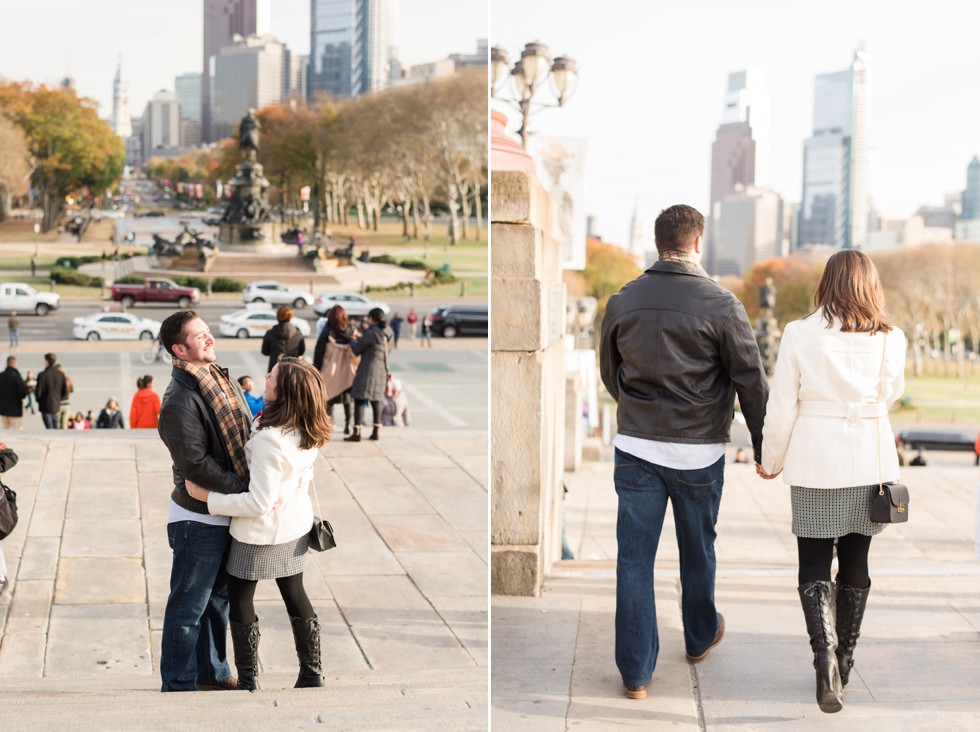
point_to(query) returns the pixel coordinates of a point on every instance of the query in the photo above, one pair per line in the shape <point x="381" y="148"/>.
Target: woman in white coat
<point x="271" y="522"/>
<point x="827" y="431"/>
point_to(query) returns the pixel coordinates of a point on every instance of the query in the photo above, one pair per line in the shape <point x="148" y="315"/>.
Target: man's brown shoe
<point x="229" y="685"/>
<point x="718" y="636"/>
<point x="636" y="692"/>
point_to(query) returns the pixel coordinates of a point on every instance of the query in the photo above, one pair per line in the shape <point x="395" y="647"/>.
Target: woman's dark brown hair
<point x="851" y="292"/>
<point x="284" y="314"/>
<point x="299" y="404"/>
<point x="337" y="318"/>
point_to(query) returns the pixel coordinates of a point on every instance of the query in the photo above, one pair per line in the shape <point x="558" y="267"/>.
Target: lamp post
<point x="527" y="76"/>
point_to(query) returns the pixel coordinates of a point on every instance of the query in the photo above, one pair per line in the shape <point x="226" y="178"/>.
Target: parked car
<point x="354" y="303"/>
<point x="460" y="320"/>
<point x="156" y="290"/>
<point x="936" y="440"/>
<point x="22" y="298"/>
<point x="254" y="320"/>
<point x="115" y="326"/>
<point x="276" y="293"/>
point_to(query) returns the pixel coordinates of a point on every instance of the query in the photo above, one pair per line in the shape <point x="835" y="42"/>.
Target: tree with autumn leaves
<point x="70" y="148"/>
<point x="412" y="148"/>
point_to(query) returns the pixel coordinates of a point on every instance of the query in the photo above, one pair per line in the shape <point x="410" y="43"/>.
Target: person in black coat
<point x="110" y="417"/>
<point x="283" y="338"/>
<point x="13" y="389"/>
<point x="51" y="389"/>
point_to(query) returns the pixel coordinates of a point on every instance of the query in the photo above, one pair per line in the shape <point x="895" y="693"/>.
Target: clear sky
<point x="47" y="40"/>
<point x="653" y="78"/>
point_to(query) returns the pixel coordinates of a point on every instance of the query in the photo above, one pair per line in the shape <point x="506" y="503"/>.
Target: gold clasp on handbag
<point x="901" y="508"/>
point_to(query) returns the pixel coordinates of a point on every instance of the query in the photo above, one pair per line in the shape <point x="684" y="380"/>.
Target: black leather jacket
<point x="675" y="349"/>
<point x="190" y="431"/>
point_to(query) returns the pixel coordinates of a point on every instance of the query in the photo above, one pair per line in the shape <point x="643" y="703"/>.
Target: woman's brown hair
<point x="851" y="292"/>
<point x="300" y="403"/>
<point x="337" y="318"/>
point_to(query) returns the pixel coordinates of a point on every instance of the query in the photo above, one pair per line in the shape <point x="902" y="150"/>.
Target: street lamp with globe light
<point x="527" y="77"/>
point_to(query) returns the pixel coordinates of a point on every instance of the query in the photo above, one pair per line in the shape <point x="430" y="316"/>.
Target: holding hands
<point x="760" y="471"/>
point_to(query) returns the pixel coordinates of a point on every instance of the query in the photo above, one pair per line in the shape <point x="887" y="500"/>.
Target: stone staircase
<point x="450" y="699"/>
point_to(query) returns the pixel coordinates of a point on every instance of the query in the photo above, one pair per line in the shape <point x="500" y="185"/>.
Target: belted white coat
<point x="276" y="508"/>
<point x="821" y="429"/>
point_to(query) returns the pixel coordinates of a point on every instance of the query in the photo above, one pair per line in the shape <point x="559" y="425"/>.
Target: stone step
<point x="260" y="265"/>
<point x="451" y="699"/>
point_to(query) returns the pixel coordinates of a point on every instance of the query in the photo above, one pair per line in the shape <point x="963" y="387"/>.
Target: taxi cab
<point x="254" y="320"/>
<point x="115" y="326"/>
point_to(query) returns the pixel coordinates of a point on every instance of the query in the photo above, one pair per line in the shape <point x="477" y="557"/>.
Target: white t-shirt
<point x="676" y="455"/>
<point x="179" y="513"/>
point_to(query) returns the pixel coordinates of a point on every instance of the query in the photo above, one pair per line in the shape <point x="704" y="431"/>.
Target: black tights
<point x="852" y="560"/>
<point x="359" y="411"/>
<point x="242" y="598"/>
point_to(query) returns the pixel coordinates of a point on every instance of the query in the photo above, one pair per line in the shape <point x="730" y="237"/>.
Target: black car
<point x="460" y="320"/>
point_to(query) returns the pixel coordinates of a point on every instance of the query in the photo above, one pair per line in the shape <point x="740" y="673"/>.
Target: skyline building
<point x="223" y="19"/>
<point x="121" y="123"/>
<point x="348" y="47"/>
<point x="247" y="75"/>
<point x="740" y="152"/>
<point x="836" y="202"/>
<point x="187" y="87"/>
<point x="971" y="194"/>
<point x="161" y="123"/>
<point x="751" y="231"/>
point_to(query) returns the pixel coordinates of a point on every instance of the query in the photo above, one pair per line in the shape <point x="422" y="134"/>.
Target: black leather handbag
<point x="321" y="535"/>
<point x="890" y="503"/>
<point x="8" y="511"/>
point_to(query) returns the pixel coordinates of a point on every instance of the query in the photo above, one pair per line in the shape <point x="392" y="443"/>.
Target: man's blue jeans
<point x="695" y="495"/>
<point x="50" y="420"/>
<point x="195" y="623"/>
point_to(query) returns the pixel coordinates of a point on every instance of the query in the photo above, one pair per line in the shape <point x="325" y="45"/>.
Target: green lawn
<point x="941" y="399"/>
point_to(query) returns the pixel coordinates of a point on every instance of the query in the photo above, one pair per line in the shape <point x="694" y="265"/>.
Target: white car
<point x="115" y="327"/>
<point x="353" y="303"/>
<point x="276" y="293"/>
<point x="253" y="322"/>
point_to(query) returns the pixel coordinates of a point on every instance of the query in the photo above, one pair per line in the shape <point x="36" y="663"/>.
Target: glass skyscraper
<point x="971" y="196"/>
<point x="348" y="47"/>
<point x="836" y="198"/>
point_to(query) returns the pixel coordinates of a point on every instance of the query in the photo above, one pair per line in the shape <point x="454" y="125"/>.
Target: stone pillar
<point x="528" y="384"/>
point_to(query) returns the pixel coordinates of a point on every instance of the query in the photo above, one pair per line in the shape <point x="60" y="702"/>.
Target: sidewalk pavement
<point x="402" y="600"/>
<point x="917" y="665"/>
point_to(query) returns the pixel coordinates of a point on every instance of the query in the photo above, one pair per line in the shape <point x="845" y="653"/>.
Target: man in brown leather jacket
<point x="205" y="422"/>
<point x="676" y="348"/>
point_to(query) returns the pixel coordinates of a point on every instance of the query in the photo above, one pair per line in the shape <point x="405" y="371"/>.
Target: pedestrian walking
<point x="427" y="331"/>
<point x="63" y="412"/>
<point x="676" y="348"/>
<point x="34" y="266"/>
<point x="413" y="320"/>
<point x="284" y="338"/>
<point x="396" y="327"/>
<point x="51" y="390"/>
<point x="13" y="389"/>
<point x="205" y="423"/>
<point x="337" y="364"/>
<point x="144" y="412"/>
<point x="13" y="325"/>
<point x="31" y="382"/>
<point x="110" y="417"/>
<point x="837" y="372"/>
<point x="371" y="379"/>
<point x="270" y="528"/>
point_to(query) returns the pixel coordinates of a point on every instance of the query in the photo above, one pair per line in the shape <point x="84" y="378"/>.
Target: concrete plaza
<point x="917" y="665"/>
<point x="402" y="600"/>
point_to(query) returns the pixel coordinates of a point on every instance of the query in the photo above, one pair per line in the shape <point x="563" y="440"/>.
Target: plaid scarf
<point x="233" y="418"/>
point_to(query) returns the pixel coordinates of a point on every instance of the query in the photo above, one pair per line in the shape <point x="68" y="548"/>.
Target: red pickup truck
<point x="156" y="290"/>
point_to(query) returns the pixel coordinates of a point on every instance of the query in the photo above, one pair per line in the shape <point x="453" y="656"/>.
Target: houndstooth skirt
<point x="267" y="561"/>
<point x="827" y="513"/>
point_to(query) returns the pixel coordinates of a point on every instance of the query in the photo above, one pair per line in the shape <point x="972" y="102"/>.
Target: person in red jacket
<point x="145" y="410"/>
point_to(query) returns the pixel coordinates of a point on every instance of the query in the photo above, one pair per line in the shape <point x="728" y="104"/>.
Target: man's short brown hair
<point x="677" y="228"/>
<point x="172" y="329"/>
